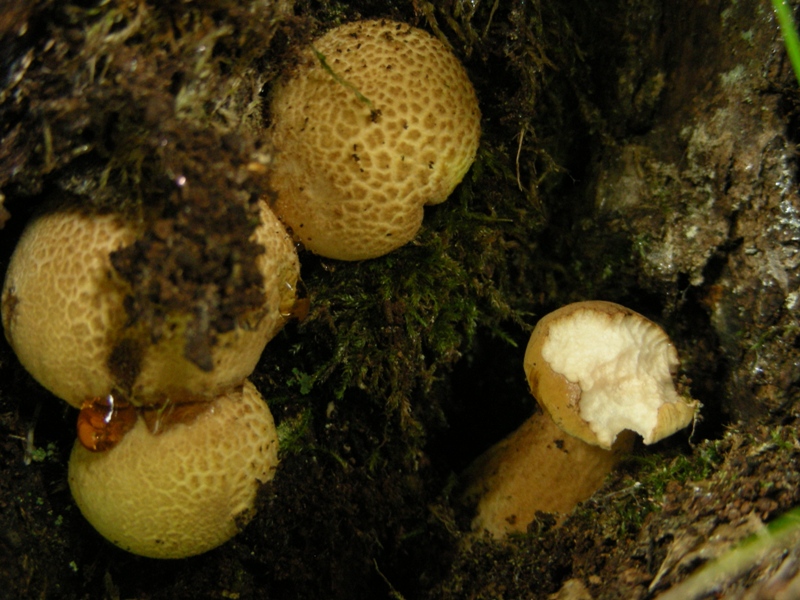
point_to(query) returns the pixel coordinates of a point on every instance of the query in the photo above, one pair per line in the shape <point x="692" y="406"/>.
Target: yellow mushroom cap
<point x="599" y="368"/>
<point x="387" y="124"/>
<point x="63" y="313"/>
<point x="62" y="302"/>
<point x="186" y="490"/>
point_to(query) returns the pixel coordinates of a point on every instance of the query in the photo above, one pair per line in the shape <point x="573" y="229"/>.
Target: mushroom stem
<point x="537" y="468"/>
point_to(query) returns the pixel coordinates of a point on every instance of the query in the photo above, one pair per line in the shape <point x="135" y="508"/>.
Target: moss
<point x="640" y="507"/>
<point x="640" y="486"/>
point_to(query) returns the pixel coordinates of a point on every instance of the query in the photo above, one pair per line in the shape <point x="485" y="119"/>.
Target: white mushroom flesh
<point x="624" y="366"/>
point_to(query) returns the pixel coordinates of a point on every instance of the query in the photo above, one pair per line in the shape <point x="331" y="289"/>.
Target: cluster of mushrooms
<point x="154" y="468"/>
<point x="376" y="121"/>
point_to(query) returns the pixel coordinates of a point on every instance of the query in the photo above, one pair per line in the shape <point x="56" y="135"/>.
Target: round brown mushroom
<point x="63" y="311"/>
<point x="186" y="489"/>
<point x="600" y="372"/>
<point x="378" y="120"/>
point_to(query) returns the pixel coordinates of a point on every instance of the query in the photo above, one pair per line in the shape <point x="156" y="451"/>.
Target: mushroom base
<point x="538" y="468"/>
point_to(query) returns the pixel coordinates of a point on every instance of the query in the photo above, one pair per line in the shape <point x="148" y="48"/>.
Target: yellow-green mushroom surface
<point x="377" y="120"/>
<point x="185" y="490"/>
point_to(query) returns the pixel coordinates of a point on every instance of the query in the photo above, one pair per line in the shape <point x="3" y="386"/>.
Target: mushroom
<point x="185" y="490"/>
<point x="377" y="120"/>
<point x="63" y="311"/>
<point x="600" y="372"/>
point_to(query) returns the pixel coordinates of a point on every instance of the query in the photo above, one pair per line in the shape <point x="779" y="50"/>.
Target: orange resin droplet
<point x="103" y="422"/>
<point x="296" y="305"/>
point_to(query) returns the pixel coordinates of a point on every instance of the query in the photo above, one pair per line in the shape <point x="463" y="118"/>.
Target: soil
<point x="638" y="152"/>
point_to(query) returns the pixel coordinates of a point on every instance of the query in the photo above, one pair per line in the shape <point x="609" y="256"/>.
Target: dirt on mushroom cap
<point x="233" y="354"/>
<point x="380" y="120"/>
<point x="64" y="315"/>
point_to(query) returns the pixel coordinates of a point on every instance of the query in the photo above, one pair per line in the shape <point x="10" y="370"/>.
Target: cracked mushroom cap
<point x="63" y="311"/>
<point x="376" y="124"/>
<point x="599" y="368"/>
<point x="183" y="491"/>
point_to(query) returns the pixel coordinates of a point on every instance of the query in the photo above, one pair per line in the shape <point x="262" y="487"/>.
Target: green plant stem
<point x="340" y="80"/>
<point x="790" y="38"/>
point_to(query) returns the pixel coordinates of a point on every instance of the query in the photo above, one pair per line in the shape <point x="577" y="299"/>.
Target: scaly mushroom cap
<point x="63" y="313"/>
<point x="186" y="490"/>
<point x="388" y="123"/>
<point x="599" y="368"/>
<point x="62" y="301"/>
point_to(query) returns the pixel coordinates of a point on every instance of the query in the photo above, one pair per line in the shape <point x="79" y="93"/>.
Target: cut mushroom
<point x="600" y="372"/>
